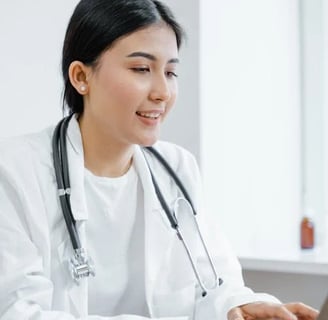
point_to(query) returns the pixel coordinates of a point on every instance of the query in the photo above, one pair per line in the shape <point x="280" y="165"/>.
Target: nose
<point x="160" y="90"/>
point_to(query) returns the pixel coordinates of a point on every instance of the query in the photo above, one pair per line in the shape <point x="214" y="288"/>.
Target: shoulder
<point x="177" y="156"/>
<point x="26" y="151"/>
<point x="183" y="164"/>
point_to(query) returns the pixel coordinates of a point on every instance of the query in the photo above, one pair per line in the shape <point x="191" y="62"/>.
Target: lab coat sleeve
<point x="25" y="290"/>
<point x="233" y="291"/>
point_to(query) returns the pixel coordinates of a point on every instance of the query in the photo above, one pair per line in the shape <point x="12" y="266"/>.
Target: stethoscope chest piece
<point x="81" y="266"/>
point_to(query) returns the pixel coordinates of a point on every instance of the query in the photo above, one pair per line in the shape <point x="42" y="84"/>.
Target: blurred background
<point x="253" y="108"/>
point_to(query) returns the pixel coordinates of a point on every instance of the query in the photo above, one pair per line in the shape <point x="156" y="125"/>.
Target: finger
<point x="264" y="310"/>
<point x="235" y="314"/>
<point x="301" y="309"/>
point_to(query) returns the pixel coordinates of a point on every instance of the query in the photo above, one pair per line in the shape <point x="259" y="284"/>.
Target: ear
<point x="78" y="73"/>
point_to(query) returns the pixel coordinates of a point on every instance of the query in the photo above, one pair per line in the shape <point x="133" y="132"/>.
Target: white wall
<point x="250" y="143"/>
<point x="251" y="129"/>
<point x="183" y="124"/>
<point x="32" y="33"/>
<point x="325" y="108"/>
<point x="313" y="40"/>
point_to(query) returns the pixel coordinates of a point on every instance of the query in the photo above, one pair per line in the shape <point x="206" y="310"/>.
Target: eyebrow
<point x="149" y="56"/>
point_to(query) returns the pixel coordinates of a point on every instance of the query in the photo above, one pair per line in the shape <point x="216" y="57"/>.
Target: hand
<point x="273" y="311"/>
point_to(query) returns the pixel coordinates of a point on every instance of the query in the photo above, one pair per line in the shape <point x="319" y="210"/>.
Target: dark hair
<point x="96" y="24"/>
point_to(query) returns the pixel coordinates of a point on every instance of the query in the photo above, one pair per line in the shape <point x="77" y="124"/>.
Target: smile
<point x="151" y="115"/>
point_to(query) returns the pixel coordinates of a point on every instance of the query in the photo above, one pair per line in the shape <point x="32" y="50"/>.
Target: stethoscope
<point x="80" y="264"/>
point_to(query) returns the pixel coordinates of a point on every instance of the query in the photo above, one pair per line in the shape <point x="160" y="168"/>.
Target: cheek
<point x="126" y="92"/>
<point x="171" y="102"/>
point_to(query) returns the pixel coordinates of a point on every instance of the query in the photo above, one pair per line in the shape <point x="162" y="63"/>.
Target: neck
<point x="103" y="156"/>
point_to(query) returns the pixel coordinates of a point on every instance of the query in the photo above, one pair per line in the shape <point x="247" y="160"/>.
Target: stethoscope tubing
<point x="173" y="175"/>
<point x="60" y="160"/>
<point x="174" y="221"/>
<point x="62" y="178"/>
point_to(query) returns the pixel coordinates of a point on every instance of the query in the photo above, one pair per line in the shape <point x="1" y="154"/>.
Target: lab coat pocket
<point x="175" y="303"/>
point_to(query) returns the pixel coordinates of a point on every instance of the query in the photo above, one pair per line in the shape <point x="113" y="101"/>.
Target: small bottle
<point x="307" y="233"/>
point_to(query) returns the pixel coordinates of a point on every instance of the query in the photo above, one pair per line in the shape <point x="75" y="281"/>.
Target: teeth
<point x="149" y="115"/>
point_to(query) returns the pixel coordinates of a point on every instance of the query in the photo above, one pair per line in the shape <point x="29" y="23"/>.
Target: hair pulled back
<point x="96" y="24"/>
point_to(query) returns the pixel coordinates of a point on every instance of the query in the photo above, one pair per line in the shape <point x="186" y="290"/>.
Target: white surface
<point x="31" y="34"/>
<point x="325" y="110"/>
<point x="251" y="119"/>
<point x="312" y="262"/>
<point x="313" y="39"/>
<point x="183" y="125"/>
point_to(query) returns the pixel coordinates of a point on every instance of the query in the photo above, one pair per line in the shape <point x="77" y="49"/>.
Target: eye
<point x="140" y="69"/>
<point x="171" y="74"/>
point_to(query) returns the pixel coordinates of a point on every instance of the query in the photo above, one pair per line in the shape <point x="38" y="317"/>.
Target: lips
<point x="149" y="115"/>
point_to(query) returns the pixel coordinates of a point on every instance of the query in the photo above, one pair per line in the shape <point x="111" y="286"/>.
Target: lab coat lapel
<point x="158" y="233"/>
<point x="77" y="293"/>
<point x="76" y="171"/>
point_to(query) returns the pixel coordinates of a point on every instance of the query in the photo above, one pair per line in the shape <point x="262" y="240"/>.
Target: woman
<point x="119" y="65"/>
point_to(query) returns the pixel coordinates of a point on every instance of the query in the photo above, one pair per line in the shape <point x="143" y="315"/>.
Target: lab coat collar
<point x="76" y="170"/>
<point x="158" y="232"/>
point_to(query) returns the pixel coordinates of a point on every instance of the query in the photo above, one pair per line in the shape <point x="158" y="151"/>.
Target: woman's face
<point x="133" y="86"/>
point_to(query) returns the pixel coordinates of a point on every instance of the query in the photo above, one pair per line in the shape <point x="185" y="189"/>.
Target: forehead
<point x="158" y="39"/>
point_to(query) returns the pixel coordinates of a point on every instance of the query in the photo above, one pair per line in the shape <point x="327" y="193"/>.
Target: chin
<point x="147" y="138"/>
<point x="148" y="141"/>
<point x="148" y="144"/>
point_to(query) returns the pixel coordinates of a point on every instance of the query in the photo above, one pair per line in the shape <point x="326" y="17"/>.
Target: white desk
<point x="311" y="262"/>
<point x="297" y="275"/>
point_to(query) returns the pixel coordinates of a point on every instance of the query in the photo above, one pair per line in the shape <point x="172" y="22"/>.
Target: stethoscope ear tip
<point x="204" y="294"/>
<point x="220" y="281"/>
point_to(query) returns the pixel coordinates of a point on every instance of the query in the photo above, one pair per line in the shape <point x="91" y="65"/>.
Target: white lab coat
<point x="35" y="246"/>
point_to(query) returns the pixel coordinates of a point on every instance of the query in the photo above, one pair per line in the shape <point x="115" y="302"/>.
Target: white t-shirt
<point x="115" y="233"/>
